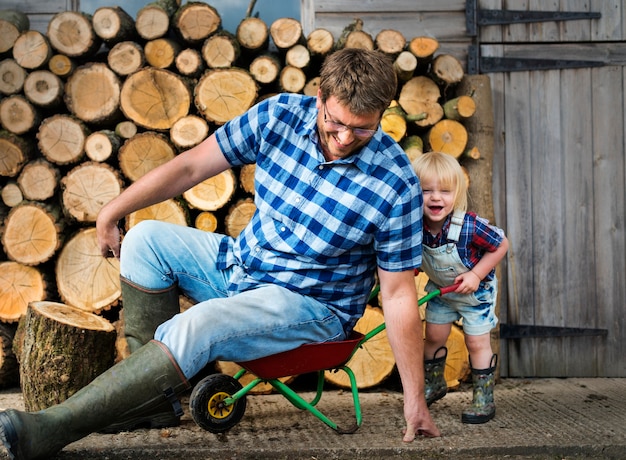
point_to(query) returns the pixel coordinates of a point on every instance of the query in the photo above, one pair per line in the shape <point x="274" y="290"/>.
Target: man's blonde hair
<point x="447" y="170"/>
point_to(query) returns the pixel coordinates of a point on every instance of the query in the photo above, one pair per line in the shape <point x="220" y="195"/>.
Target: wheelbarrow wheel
<point x="207" y="403"/>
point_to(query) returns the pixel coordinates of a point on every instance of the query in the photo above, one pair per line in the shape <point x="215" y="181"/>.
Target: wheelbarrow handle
<point x="437" y="292"/>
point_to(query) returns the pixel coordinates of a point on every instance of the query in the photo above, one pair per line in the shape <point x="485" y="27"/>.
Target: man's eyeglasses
<point x="361" y="133"/>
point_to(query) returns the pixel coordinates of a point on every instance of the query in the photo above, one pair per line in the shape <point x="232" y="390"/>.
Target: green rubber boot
<point x="145" y="310"/>
<point x="148" y="379"/>
<point x="483" y="407"/>
<point x="436" y="387"/>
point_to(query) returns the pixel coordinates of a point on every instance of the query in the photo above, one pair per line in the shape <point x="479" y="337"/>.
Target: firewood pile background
<point x="99" y="100"/>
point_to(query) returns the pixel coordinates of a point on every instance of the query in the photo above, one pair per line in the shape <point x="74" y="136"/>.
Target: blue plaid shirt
<point x="320" y="228"/>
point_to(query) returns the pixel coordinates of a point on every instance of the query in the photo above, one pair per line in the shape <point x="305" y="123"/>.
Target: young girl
<point x="458" y="247"/>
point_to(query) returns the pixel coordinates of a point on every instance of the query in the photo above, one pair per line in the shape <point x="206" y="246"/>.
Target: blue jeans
<point x="223" y="325"/>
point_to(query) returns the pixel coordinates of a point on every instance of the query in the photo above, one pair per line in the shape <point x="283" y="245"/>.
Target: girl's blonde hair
<point x="447" y="170"/>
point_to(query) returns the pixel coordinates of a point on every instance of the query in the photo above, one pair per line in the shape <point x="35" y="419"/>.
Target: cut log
<point x="263" y="388"/>
<point x="213" y="193"/>
<point x="292" y="79"/>
<point x="393" y="121"/>
<point x="18" y="115"/>
<point x="424" y="48"/>
<point x="153" y="20"/>
<point x="413" y="146"/>
<point x="9" y="368"/>
<point x="195" y="21"/>
<point x="286" y="32"/>
<point x="61" y="139"/>
<point x="298" y="56"/>
<point x="155" y="98"/>
<point x="144" y="152"/>
<point x="87" y="188"/>
<point x="223" y="94"/>
<point x="32" y="50"/>
<point x="311" y="87"/>
<point x="390" y="41"/>
<point x="353" y="36"/>
<point x="44" y="89"/>
<point x="189" y="63"/>
<point x="161" y="52"/>
<point x="12" y="76"/>
<point x="62" y="350"/>
<point x="15" y="151"/>
<point x="113" y="25"/>
<point x="265" y="68"/>
<point x="11" y="195"/>
<point x="12" y="24"/>
<point x="39" y="180"/>
<point x="126" y="58"/>
<point x="71" y="33"/>
<point x="446" y="70"/>
<point x="238" y="216"/>
<point x="84" y="278"/>
<point x="33" y="233"/>
<point x="166" y="211"/>
<point x="448" y="136"/>
<point x="189" y="131"/>
<point x="246" y="178"/>
<point x="206" y="221"/>
<point x="253" y="34"/>
<point x="420" y="96"/>
<point x="92" y="93"/>
<point x="61" y="65"/>
<point x="320" y="43"/>
<point x="221" y="50"/>
<point x="19" y="285"/>
<point x="373" y="363"/>
<point x="405" y="65"/>
<point x="126" y="129"/>
<point x="102" y="145"/>
<point x="459" y="108"/>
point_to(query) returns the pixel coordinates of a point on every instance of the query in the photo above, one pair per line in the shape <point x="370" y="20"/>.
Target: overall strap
<point x="456" y="224"/>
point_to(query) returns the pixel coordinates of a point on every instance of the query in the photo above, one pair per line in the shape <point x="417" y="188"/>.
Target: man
<point x="337" y="201"/>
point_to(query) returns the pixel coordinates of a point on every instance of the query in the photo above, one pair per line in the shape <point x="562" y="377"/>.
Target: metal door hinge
<point x="476" y="17"/>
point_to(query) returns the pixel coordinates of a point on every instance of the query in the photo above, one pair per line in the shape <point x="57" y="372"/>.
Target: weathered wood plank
<point x="350" y="6"/>
<point x="519" y="218"/>
<point x="609" y="194"/>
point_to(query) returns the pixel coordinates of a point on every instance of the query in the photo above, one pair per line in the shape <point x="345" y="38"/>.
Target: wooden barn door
<point x="558" y="89"/>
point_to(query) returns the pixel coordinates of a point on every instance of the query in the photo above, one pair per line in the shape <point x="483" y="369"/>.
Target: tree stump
<point x="9" y="369"/>
<point x="60" y="349"/>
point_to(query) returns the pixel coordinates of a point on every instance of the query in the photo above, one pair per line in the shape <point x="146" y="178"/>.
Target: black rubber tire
<point x="205" y="403"/>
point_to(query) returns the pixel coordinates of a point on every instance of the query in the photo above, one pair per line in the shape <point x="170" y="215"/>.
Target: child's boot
<point x="483" y="407"/>
<point x="436" y="387"/>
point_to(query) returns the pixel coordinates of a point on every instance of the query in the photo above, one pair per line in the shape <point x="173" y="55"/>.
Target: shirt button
<point x="257" y="249"/>
<point x="320" y="167"/>
<point x="282" y="229"/>
<point x="298" y="200"/>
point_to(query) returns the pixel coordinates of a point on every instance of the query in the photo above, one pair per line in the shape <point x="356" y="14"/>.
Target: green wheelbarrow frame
<point x="218" y="401"/>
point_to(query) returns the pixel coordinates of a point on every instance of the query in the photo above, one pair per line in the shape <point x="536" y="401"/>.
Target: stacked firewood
<point x="98" y="100"/>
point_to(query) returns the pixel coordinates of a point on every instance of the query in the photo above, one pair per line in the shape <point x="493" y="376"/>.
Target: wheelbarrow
<point x="218" y="402"/>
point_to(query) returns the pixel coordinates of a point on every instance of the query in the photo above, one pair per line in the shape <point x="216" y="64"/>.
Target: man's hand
<point x="109" y="238"/>
<point x="419" y="422"/>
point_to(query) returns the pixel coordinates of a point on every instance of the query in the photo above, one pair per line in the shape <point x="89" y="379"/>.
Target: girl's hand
<point x="469" y="282"/>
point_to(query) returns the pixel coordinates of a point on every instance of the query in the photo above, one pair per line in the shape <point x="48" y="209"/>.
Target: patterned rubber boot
<point x="436" y="387"/>
<point x="483" y="407"/>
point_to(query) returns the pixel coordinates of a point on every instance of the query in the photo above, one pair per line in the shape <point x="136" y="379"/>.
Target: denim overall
<point x="442" y="265"/>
